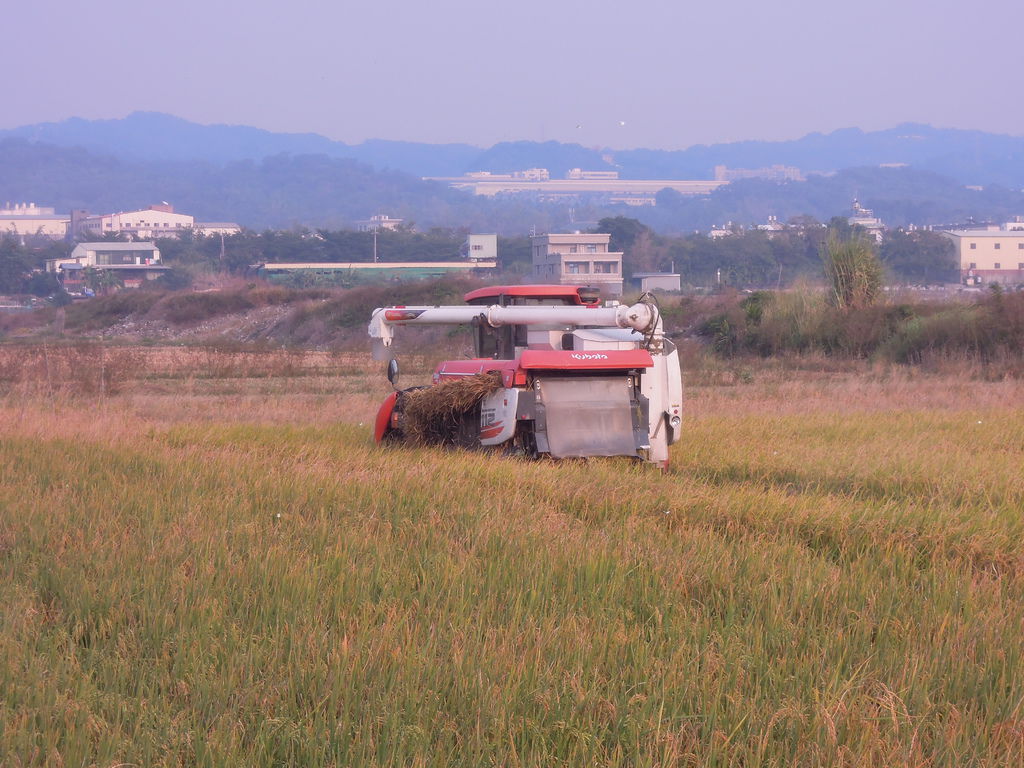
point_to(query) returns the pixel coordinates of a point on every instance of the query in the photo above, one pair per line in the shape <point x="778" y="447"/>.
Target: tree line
<point x="742" y="259"/>
<point x="763" y="259"/>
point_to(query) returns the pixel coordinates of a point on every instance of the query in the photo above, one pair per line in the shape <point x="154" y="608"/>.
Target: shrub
<point x="105" y="311"/>
<point x="953" y="329"/>
<point x="803" y="321"/>
<point x="859" y="333"/>
<point x="175" y="279"/>
<point x="181" y="308"/>
<point x="788" y="321"/>
<point x="854" y="271"/>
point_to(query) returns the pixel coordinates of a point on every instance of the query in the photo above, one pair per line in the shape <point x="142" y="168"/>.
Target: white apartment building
<point x="480" y="248"/>
<point x="209" y="228"/>
<point x="865" y="217"/>
<point x="379" y="222"/>
<point x="990" y="255"/>
<point x="134" y="263"/>
<point x="579" y="173"/>
<point x="112" y="254"/>
<point x="577" y="259"/>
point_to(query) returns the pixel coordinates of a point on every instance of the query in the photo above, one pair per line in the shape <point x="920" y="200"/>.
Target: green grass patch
<point x="835" y="589"/>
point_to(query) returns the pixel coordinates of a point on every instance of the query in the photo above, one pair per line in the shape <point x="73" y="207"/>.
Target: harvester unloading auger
<point x="554" y="373"/>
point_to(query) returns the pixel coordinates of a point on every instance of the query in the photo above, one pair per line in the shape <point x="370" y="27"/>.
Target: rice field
<point x="224" y="570"/>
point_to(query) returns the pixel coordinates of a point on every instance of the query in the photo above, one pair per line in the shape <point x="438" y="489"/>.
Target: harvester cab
<point x="554" y="373"/>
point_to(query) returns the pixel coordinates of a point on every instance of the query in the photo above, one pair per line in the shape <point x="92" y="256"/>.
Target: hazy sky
<point x="629" y="73"/>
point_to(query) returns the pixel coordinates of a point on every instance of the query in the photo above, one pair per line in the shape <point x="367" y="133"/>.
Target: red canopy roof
<point x="571" y="292"/>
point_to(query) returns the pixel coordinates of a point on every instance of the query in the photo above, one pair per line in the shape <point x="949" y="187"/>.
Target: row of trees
<point x="21" y="266"/>
<point x="751" y="258"/>
<point x="773" y="259"/>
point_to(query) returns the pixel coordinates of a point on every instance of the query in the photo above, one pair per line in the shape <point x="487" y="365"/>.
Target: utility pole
<point x="374" y="243"/>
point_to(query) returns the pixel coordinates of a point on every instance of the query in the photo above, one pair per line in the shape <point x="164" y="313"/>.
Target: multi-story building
<point x="147" y="223"/>
<point x="134" y="263"/>
<point x="990" y="255"/>
<point x="717" y="232"/>
<point x="211" y="228"/>
<point x="577" y="258"/>
<point x="28" y="219"/>
<point x="866" y="219"/>
<point x="772" y="226"/>
<point x="480" y="248"/>
<point x="155" y="221"/>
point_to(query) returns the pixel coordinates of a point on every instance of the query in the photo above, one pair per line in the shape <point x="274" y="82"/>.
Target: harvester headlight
<point x="675" y="421"/>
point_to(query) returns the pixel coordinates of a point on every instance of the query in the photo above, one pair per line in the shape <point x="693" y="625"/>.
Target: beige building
<point x="28" y="219"/>
<point x="147" y="223"/>
<point x="480" y="247"/>
<point x="134" y="264"/>
<point x="657" y="281"/>
<point x="990" y="255"/>
<point x="577" y="259"/>
<point x="155" y="221"/>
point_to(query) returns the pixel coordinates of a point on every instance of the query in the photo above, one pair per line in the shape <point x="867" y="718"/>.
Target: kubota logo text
<point x="585" y="356"/>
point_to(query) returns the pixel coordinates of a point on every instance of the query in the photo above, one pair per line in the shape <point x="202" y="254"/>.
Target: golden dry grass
<point x="224" y="570"/>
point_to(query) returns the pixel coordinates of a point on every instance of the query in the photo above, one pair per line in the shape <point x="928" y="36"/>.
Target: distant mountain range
<point x="969" y="157"/>
<point x="269" y="180"/>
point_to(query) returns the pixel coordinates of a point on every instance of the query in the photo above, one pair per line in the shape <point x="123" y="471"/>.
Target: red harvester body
<point x="577" y="378"/>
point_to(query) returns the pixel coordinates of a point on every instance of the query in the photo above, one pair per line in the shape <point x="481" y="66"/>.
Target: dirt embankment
<point x="312" y="318"/>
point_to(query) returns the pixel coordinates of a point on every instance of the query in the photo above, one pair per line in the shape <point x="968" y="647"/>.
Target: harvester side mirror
<point x="393" y="372"/>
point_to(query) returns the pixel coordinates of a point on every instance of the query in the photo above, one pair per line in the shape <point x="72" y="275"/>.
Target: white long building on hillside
<point x="537" y="181"/>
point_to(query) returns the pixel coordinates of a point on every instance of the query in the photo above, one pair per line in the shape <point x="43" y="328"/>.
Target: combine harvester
<point x="554" y="373"/>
